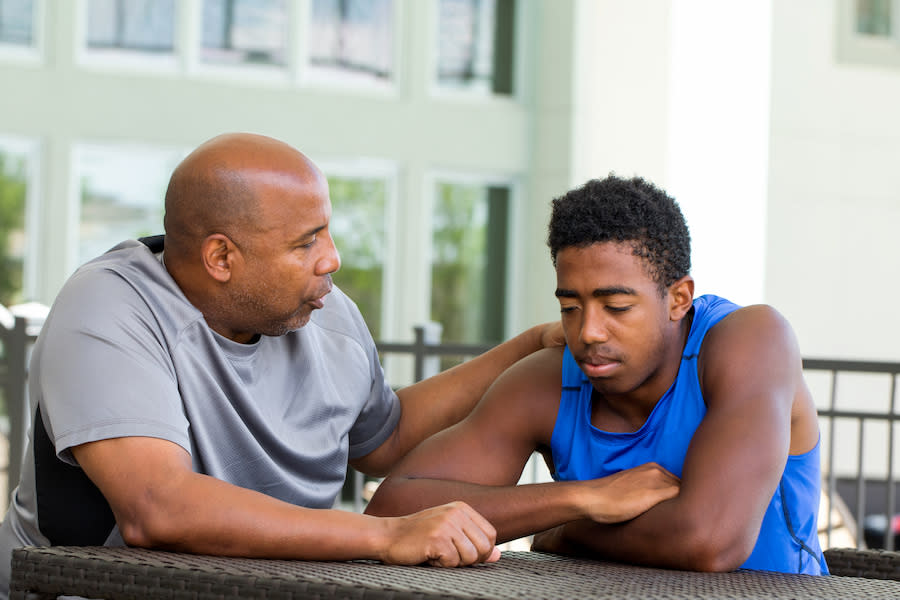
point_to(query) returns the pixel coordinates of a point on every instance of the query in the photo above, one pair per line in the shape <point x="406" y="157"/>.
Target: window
<point x="122" y="192"/>
<point x="244" y="31"/>
<point x="358" y="228"/>
<point x="352" y="39"/>
<point x="17" y="22"/>
<point x="869" y="32"/>
<point x="141" y="26"/>
<point x="15" y="163"/>
<point x="873" y="17"/>
<point x="475" y="45"/>
<point x="468" y="270"/>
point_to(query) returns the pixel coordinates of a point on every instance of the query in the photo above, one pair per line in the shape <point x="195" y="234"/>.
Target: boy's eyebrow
<point x="599" y="292"/>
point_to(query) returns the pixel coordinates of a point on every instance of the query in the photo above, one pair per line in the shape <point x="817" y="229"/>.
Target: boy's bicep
<point x="492" y="444"/>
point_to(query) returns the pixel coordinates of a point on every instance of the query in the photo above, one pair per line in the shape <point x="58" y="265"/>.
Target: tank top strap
<point x="708" y="310"/>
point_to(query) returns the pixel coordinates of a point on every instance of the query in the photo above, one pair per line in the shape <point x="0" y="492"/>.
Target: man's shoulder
<point x="128" y="260"/>
<point x="102" y="280"/>
<point x="127" y="281"/>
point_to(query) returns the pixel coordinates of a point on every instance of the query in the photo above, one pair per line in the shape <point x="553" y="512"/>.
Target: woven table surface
<point x="126" y="573"/>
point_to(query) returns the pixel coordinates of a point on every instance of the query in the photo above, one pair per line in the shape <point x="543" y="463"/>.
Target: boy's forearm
<point x="514" y="511"/>
<point x="662" y="537"/>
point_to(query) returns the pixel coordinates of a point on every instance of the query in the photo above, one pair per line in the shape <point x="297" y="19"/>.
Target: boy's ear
<point x="681" y="297"/>
<point x="219" y="253"/>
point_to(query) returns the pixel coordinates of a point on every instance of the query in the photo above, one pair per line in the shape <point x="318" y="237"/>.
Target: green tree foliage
<point x="458" y="263"/>
<point x="357" y="226"/>
<point x="12" y="225"/>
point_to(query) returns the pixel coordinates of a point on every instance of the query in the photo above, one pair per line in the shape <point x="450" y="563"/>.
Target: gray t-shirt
<point x="123" y="353"/>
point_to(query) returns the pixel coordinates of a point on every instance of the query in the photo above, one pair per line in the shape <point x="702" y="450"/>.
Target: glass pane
<point x="873" y="17"/>
<point x="138" y="25"/>
<point x="17" y="22"/>
<point x="475" y="42"/>
<point x="468" y="270"/>
<point x="357" y="226"/>
<point x="352" y="37"/>
<point x="13" y="185"/>
<point x="122" y="194"/>
<point x="248" y="31"/>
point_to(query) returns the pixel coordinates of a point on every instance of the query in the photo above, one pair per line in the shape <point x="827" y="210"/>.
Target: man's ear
<point x="218" y="253"/>
<point x="681" y="297"/>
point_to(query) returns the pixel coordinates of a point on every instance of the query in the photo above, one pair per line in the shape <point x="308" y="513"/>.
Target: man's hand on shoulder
<point x="450" y="535"/>
<point x="552" y="335"/>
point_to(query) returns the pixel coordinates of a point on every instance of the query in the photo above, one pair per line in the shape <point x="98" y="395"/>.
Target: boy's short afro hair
<point x="630" y="211"/>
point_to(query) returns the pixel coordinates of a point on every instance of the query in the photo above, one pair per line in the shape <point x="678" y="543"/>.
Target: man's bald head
<point x="216" y="188"/>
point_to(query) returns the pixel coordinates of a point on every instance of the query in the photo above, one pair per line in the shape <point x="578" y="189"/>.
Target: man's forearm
<point x="208" y="516"/>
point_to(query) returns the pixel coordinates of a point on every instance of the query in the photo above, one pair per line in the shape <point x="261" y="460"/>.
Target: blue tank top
<point x="788" y="539"/>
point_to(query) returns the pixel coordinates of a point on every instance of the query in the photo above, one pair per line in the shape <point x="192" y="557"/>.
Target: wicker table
<point x="123" y="573"/>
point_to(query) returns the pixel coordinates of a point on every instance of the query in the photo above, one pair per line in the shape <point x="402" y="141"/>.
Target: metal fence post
<point x="16" y="351"/>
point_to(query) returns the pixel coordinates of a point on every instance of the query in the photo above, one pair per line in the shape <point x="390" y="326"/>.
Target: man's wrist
<point x="379" y="537"/>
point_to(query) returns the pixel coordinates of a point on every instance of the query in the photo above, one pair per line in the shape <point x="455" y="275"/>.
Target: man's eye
<point x="309" y="243"/>
<point x="566" y="309"/>
<point x="618" y="309"/>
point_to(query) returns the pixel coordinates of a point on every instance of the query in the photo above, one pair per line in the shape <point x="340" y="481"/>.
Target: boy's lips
<point x="598" y="366"/>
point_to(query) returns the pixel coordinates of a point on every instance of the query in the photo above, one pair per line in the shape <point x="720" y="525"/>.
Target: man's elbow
<point x="152" y="524"/>
<point x="147" y="532"/>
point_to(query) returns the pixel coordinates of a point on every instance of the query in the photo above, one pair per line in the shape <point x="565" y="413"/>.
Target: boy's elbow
<point x="384" y="501"/>
<point x="716" y="559"/>
<point x="713" y="552"/>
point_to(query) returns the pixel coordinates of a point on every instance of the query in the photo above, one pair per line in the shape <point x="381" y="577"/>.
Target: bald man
<point x="208" y="397"/>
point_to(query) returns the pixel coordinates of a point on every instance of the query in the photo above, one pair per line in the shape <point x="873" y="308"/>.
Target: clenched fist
<point x="450" y="535"/>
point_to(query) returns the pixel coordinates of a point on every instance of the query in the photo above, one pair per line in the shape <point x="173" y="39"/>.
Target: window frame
<point x="33" y="54"/>
<point x="185" y="58"/>
<point x="468" y="94"/>
<point x="864" y="49"/>
<point x="265" y="74"/>
<point x="318" y="77"/>
<point x="127" y="60"/>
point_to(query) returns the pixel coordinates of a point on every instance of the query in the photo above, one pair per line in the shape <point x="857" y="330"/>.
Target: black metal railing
<point x="15" y="347"/>
<point x="833" y="414"/>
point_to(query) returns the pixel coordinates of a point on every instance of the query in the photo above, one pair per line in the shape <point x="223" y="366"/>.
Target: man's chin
<point x="299" y="321"/>
<point x="287" y="326"/>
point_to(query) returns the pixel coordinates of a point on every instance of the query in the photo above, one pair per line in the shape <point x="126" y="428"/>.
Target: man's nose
<point x="330" y="261"/>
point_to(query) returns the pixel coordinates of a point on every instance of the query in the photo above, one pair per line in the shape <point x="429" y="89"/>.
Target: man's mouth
<point x="319" y="302"/>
